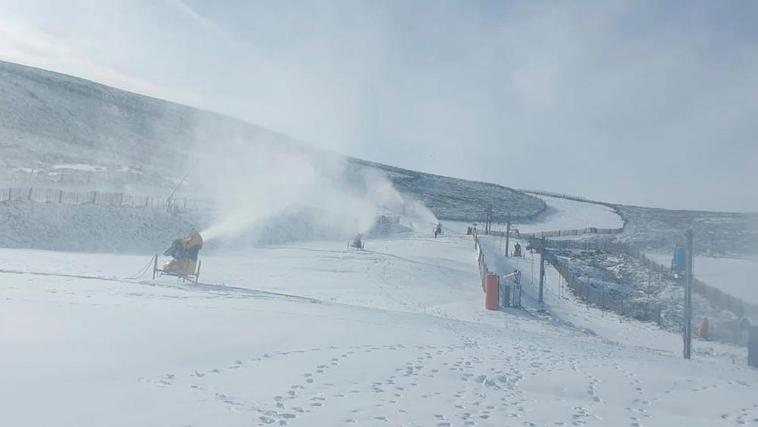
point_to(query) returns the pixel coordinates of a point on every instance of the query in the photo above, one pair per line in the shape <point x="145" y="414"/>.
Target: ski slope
<point x="565" y="214"/>
<point x="560" y="214"/>
<point x="394" y="335"/>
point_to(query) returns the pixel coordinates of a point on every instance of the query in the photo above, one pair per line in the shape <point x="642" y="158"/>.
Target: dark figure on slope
<point x="437" y="230"/>
<point x="517" y="250"/>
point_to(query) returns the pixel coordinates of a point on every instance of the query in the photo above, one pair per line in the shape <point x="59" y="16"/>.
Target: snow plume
<point x="248" y="188"/>
<point x="267" y="191"/>
<point x="414" y="214"/>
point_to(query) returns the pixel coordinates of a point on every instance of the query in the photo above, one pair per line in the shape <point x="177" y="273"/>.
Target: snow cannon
<point x="357" y="242"/>
<point x="184" y="261"/>
<point x="517" y="251"/>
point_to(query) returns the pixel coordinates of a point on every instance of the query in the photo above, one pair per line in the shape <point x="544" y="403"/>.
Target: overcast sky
<point x="652" y="103"/>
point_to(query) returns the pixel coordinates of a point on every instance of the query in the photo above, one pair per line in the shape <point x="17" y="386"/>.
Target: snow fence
<point x="100" y="198"/>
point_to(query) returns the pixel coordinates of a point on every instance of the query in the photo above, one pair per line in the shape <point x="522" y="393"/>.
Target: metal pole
<point x="542" y="275"/>
<point x="508" y="236"/>
<point x="687" y="330"/>
<point x="488" y="227"/>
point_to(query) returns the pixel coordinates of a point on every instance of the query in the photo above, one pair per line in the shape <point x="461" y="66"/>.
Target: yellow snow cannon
<point x="184" y="261"/>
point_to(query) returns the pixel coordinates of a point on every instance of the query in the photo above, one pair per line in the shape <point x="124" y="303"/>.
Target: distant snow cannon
<point x="517" y="250"/>
<point x="357" y="242"/>
<point x="184" y="258"/>
<point x="387" y="224"/>
<point x="388" y="220"/>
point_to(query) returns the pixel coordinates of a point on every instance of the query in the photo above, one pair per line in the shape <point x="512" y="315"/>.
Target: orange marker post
<point x="491" y="294"/>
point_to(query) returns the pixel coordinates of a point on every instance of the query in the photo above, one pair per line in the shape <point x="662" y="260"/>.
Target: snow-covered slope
<point x="49" y="122"/>
<point x="395" y="335"/>
<point x="49" y="119"/>
<point x="716" y="233"/>
<point x="565" y="214"/>
<point x="88" y="227"/>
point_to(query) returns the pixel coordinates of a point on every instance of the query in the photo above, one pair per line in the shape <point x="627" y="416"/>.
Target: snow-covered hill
<point x="51" y="123"/>
<point x="716" y="233"/>
<point x="88" y="228"/>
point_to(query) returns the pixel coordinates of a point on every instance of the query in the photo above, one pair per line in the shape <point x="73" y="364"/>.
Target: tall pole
<point x="542" y="274"/>
<point x="488" y="226"/>
<point x="486" y="220"/>
<point x="508" y="236"/>
<point x="687" y="330"/>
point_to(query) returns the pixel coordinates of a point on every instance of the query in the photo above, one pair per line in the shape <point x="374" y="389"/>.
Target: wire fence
<point x="558" y="233"/>
<point x="715" y="296"/>
<point x="600" y="294"/>
<point x="98" y="198"/>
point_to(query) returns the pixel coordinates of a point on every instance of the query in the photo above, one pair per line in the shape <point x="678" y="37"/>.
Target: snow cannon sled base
<point x="189" y="271"/>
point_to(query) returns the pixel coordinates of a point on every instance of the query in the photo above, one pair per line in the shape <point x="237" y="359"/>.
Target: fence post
<point x="94" y="197"/>
<point x="29" y="196"/>
<point x="60" y="196"/>
<point x="120" y="199"/>
<point x="542" y="275"/>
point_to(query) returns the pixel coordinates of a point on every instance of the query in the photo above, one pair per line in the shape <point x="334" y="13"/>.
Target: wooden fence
<point x="98" y="198"/>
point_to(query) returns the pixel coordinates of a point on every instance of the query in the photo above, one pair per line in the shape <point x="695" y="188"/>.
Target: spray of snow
<point x="383" y="194"/>
<point x="261" y="187"/>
